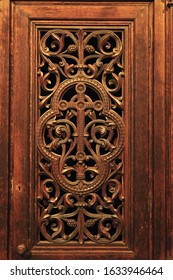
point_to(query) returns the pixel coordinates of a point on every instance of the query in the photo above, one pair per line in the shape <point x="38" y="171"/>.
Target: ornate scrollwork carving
<point x="80" y="135"/>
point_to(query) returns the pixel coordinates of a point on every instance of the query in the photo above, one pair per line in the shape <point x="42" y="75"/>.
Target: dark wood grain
<point x="159" y="116"/>
<point x="4" y="126"/>
<point x="19" y="119"/>
<point x="169" y="129"/>
<point x="170" y="192"/>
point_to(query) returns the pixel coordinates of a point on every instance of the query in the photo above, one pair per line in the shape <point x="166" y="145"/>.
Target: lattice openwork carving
<point x="80" y="135"/>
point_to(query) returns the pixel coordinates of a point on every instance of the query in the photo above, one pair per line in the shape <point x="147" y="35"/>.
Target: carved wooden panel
<point x="82" y="119"/>
<point x="84" y="126"/>
<point x="81" y="134"/>
<point x="145" y="177"/>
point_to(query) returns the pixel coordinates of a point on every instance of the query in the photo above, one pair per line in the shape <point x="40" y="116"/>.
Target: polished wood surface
<point x="169" y="127"/>
<point x="4" y="127"/>
<point x="147" y="88"/>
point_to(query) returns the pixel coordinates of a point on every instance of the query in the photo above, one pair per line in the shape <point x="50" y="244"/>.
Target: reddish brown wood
<point x="4" y="126"/>
<point x="19" y="120"/>
<point x="137" y="162"/>
<point x="148" y="127"/>
<point x="159" y="132"/>
<point x="169" y="109"/>
<point x="170" y="192"/>
<point x="142" y="134"/>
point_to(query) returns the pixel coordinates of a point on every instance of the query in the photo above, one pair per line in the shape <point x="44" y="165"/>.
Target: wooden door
<point x="82" y="136"/>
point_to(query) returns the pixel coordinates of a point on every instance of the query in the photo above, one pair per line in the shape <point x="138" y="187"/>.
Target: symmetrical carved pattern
<point x="80" y="135"/>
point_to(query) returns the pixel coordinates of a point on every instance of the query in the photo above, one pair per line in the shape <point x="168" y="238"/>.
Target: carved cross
<point x="80" y="105"/>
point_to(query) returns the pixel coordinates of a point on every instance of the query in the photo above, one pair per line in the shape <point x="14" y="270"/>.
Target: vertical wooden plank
<point x="171" y="163"/>
<point x="159" y="131"/>
<point x="4" y="131"/>
<point x="151" y="121"/>
<point x="141" y="178"/>
<point x="169" y="126"/>
<point x="20" y="133"/>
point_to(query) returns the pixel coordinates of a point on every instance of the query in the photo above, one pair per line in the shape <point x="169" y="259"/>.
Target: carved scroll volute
<point x="80" y="136"/>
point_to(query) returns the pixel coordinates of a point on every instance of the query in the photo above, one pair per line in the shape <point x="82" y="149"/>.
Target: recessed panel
<point x="80" y="135"/>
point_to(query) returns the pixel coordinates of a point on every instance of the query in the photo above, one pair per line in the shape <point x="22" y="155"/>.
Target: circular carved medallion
<point x="80" y="135"/>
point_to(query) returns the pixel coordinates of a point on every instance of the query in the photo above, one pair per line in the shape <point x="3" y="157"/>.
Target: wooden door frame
<point x="162" y="233"/>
